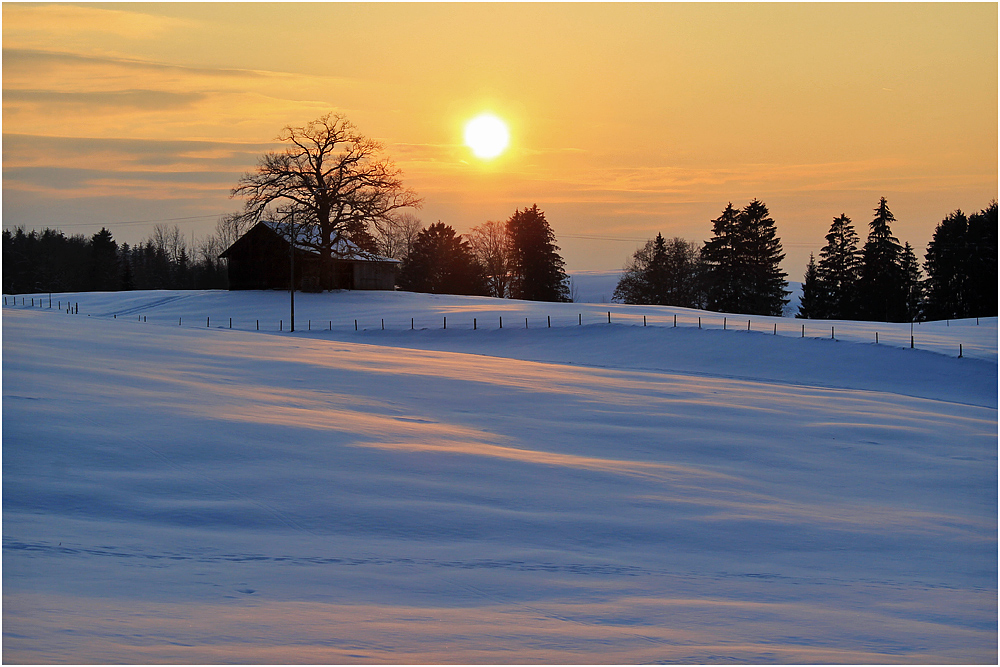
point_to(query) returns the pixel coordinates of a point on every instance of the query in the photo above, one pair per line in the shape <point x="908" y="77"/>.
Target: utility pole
<point x="291" y="264"/>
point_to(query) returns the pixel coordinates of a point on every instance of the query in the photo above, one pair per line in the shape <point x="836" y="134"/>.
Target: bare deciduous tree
<point x="489" y="243"/>
<point x="396" y="234"/>
<point x="330" y="180"/>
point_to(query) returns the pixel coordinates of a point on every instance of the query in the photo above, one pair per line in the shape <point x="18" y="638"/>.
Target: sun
<point x="487" y="136"/>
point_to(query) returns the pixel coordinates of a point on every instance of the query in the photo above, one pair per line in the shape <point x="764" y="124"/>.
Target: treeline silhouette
<point x="882" y="280"/>
<point x="50" y="261"/>
<point x="516" y="259"/>
<point x="737" y="270"/>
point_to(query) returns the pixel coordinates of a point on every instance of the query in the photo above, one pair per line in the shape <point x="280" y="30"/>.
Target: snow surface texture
<point x="575" y="494"/>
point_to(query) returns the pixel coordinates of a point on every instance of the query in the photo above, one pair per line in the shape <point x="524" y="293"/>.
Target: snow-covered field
<point x="585" y="493"/>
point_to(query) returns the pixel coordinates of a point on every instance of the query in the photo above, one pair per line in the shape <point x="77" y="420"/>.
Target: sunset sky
<point x="625" y="119"/>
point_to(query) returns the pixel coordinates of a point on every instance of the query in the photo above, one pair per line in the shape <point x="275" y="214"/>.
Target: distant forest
<point x="737" y="270"/>
<point x="50" y="261"/>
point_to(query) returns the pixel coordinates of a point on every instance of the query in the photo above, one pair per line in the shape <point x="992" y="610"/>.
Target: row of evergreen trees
<point x="737" y="270"/>
<point x="50" y="261"/>
<point x="517" y="259"/>
<point x="882" y="280"/>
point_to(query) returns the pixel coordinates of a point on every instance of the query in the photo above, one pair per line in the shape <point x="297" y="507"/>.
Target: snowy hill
<point x="179" y="491"/>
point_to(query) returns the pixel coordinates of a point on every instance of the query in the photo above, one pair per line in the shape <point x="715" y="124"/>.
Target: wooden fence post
<point x="501" y="321"/>
<point x="383" y="324"/>
<point x="355" y="325"/>
<point x="675" y="320"/>
<point x="473" y="324"/>
<point x="723" y="324"/>
<point x="548" y="318"/>
<point x="748" y="325"/>
<point x="609" y="317"/>
<point x="699" y="322"/>
<point x="579" y="319"/>
<point x="959" y="350"/>
<point x="445" y="322"/>
<point x="643" y="320"/>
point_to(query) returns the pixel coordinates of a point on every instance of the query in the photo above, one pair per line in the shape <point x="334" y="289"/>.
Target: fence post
<point x="445" y="322"/>
<point x="548" y="318"/>
<point x="959" y="350"/>
<point x="803" y="331"/>
<point x="281" y="325"/>
<point x="230" y="323"/>
<point x="501" y="321"/>
<point x="309" y="325"/>
<point x="473" y="324"/>
<point x="675" y="320"/>
<point x="723" y="324"/>
<point x="748" y="325"/>
<point x="643" y="320"/>
<point x="355" y="325"/>
<point x="832" y="336"/>
<point x="179" y="321"/>
<point x="526" y="323"/>
<point x="609" y="317"/>
<point x="383" y="324"/>
<point x="699" y="321"/>
<point x="206" y="321"/>
<point x="411" y="324"/>
<point x="579" y="319"/>
<point x="331" y="325"/>
<point x="775" y="329"/>
<point x="258" y="325"/>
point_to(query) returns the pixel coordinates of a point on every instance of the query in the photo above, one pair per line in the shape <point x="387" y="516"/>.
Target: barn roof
<point x="342" y="249"/>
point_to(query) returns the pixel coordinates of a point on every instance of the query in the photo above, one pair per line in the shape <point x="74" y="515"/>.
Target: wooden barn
<point x="260" y="260"/>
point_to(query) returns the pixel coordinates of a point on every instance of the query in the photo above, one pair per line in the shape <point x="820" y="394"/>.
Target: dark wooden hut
<point x="260" y="260"/>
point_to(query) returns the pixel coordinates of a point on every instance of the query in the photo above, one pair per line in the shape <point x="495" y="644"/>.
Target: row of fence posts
<point x="74" y="308"/>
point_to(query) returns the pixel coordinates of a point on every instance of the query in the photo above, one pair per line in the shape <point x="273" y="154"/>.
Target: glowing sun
<point x="486" y="135"/>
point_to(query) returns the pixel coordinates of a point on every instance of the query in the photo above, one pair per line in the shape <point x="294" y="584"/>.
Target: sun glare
<point x="486" y="135"/>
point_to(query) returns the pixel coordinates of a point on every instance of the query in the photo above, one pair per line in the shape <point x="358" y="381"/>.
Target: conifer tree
<point x="104" y="271"/>
<point x="882" y="284"/>
<point x="912" y="285"/>
<point x="838" y="272"/>
<point x="722" y="263"/>
<point x="536" y="268"/>
<point x="961" y="264"/>
<point x="813" y="300"/>
<point x="742" y="263"/>
<point x="441" y="262"/>
<point x="762" y="255"/>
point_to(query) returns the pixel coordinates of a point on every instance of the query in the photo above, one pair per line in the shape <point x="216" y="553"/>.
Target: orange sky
<point x="626" y="119"/>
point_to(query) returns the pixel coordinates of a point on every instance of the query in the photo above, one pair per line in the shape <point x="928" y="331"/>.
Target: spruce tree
<point x="882" y="284"/>
<point x="722" y="263"/>
<point x="441" y="262"/>
<point x="838" y="272"/>
<point x="961" y="264"/>
<point x="912" y="285"/>
<point x="764" y="282"/>
<point x="104" y="271"/>
<point x="813" y="299"/>
<point x="536" y="268"/>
